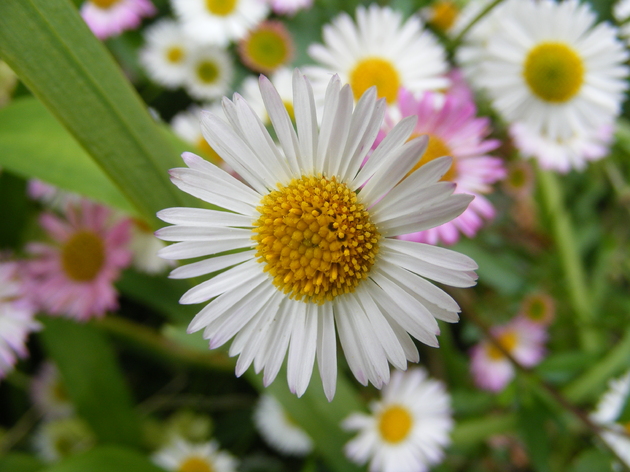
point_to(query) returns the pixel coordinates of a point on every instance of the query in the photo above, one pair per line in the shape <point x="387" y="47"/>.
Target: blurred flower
<point x="607" y="414"/>
<point x="279" y="430"/>
<point x="538" y="307"/>
<point x="16" y="317"/>
<point x="282" y="80"/>
<point x="8" y="82"/>
<point x="548" y="66"/>
<point x="519" y="181"/>
<point x="407" y="429"/>
<point x="621" y="12"/>
<point x="189" y="426"/>
<point x="49" y="394"/>
<point x="308" y="243"/>
<point x="165" y="53"/>
<point x="184" y="456"/>
<point x="290" y="7"/>
<point x="522" y="339"/>
<point x="379" y="50"/>
<point x="144" y="247"/>
<point x="219" y="21"/>
<point x="266" y="47"/>
<point x="441" y="14"/>
<point x="210" y="72"/>
<point x="74" y="276"/>
<point x="59" y="439"/>
<point x="51" y="196"/>
<point x="453" y="130"/>
<point x="563" y="154"/>
<point x="111" y="17"/>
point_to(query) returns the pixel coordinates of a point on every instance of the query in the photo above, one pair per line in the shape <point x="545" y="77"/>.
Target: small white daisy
<point x="165" y="53"/>
<point x="379" y="50"/>
<point x="61" y="438"/>
<point x="621" y="12"/>
<point x="184" y="456"/>
<point x="607" y="414"/>
<point x="550" y="67"/>
<point x="407" y="430"/>
<point x="219" y="21"/>
<point x="209" y="73"/>
<point x="313" y="252"/>
<point x="144" y="247"/>
<point x="49" y="394"/>
<point x="279" y="430"/>
<point x="282" y="80"/>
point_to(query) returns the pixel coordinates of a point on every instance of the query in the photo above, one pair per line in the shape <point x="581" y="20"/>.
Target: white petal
<point x="331" y="102"/>
<point x="396" y="204"/>
<point x="207" y="266"/>
<point x="279" y="340"/>
<point x="203" y="217"/>
<point x="327" y="349"/>
<point x="302" y="349"/>
<point x="190" y="249"/>
<point x="305" y="120"/>
<point x="199" y="233"/>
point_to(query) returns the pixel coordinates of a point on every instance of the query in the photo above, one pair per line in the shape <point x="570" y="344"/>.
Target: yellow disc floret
<point x="315" y="238"/>
<point x="83" y="256"/>
<point x="443" y="14"/>
<point x="221" y="7"/>
<point x="175" y="54"/>
<point x="554" y="72"/>
<point x="375" y="71"/>
<point x="507" y="341"/>
<point x="195" y="464"/>
<point x="104" y="4"/>
<point x="208" y="72"/>
<point x="267" y="49"/>
<point x="436" y="147"/>
<point x="394" y="424"/>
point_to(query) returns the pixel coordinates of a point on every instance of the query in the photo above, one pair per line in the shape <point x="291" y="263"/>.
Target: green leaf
<point x="533" y="416"/>
<point x="591" y="461"/>
<point x="34" y="144"/>
<point x="95" y="384"/>
<point x="14" y="212"/>
<point x="19" y="462"/>
<point x="106" y="459"/>
<point x="54" y="53"/>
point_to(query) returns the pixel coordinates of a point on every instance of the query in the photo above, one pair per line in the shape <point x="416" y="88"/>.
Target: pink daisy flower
<point x="289" y="7"/>
<point x="74" y="276"/>
<point x="523" y="339"/>
<point x="111" y="17"/>
<point x="454" y="130"/>
<point x="16" y="317"/>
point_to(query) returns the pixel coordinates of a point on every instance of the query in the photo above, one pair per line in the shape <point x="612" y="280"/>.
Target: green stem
<point x="579" y="296"/>
<point x="474" y="431"/>
<point x="458" y="39"/>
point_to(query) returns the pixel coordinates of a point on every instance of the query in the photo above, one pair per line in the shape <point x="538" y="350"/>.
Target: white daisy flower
<point x="209" y="73"/>
<point x="621" y="12"/>
<point x="219" y="21"/>
<point x="607" y="414"/>
<point x="49" y="394"/>
<point x="407" y="430"/>
<point x="550" y="67"/>
<point x="379" y="50"/>
<point x="165" y="53"/>
<point x="279" y="430"/>
<point x="312" y="251"/>
<point x="282" y="80"/>
<point x="61" y="438"/>
<point x="184" y="456"/>
<point x="144" y="246"/>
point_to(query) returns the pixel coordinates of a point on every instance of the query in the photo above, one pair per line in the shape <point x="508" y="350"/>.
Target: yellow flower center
<point x="208" y="72"/>
<point x="289" y="106"/>
<point x="375" y="71"/>
<point x="507" y="341"/>
<point x="267" y="49"/>
<point x="104" y="4"/>
<point x="395" y="423"/>
<point x="436" y="147"/>
<point x="626" y="428"/>
<point x="175" y="54"/>
<point x="207" y="150"/>
<point x="443" y="15"/>
<point x="82" y="256"/>
<point x="195" y="464"/>
<point x="315" y="238"/>
<point x="554" y="72"/>
<point x="221" y="7"/>
<point x="536" y="309"/>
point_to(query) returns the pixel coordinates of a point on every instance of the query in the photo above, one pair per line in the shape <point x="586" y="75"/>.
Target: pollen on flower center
<point x="175" y="54"/>
<point x="395" y="423"/>
<point x="207" y="71"/>
<point x="104" y="4"/>
<point x="83" y="256"/>
<point x="375" y="71"/>
<point x="554" y="72"/>
<point x="315" y="238"/>
<point x="436" y="147"/>
<point x="507" y="340"/>
<point x="221" y="7"/>
<point x="195" y="464"/>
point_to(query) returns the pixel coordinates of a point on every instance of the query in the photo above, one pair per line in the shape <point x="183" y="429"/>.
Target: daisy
<point x="184" y="456"/>
<point x="621" y="12"/>
<point x="608" y="414"/>
<point x="282" y="80"/>
<point x="290" y="7"/>
<point x="61" y="438"/>
<point x="165" y="53"/>
<point x="279" y="430"/>
<point x="522" y="339"/>
<point x="49" y="394"/>
<point x="379" y="50"/>
<point x="407" y="430"/>
<point x="312" y="252"/>
<point x="519" y="180"/>
<point x="111" y="17"/>
<point x="453" y="130"/>
<point x="266" y="47"/>
<point x="16" y="317"/>
<point x="441" y="14"/>
<point x="538" y="307"/>
<point x="144" y="247"/>
<point x="74" y="275"/>
<point x="219" y="21"/>
<point x="51" y="196"/>
<point x="209" y="73"/>
<point x="548" y="66"/>
<point x="563" y="154"/>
